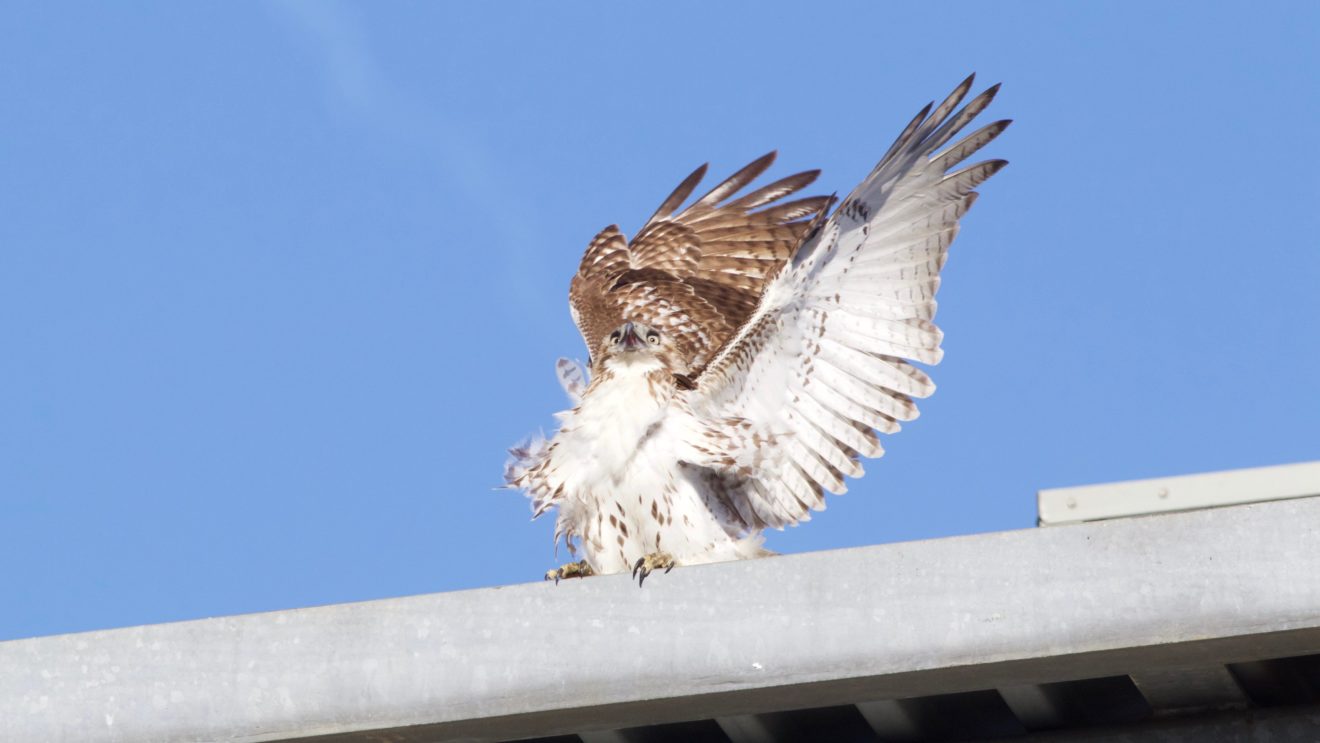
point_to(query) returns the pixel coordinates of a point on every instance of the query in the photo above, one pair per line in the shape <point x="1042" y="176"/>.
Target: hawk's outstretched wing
<point x="697" y="273"/>
<point x="822" y="363"/>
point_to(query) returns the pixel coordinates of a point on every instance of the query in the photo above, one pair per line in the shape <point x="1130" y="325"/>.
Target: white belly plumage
<point x="625" y="491"/>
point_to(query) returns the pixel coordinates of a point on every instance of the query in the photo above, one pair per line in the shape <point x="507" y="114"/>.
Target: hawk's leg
<point x="653" y="561"/>
<point x="579" y="569"/>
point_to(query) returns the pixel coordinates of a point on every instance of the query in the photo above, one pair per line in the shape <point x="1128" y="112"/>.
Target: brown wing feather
<point x="699" y="272"/>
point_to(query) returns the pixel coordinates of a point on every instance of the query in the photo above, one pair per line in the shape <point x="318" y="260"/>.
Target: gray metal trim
<point x="1073" y="505"/>
<point x="1190" y="590"/>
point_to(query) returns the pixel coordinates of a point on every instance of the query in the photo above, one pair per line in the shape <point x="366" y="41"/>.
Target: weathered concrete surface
<point x="1148" y="594"/>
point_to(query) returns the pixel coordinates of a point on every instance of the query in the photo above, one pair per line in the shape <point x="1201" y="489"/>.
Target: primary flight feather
<point x="745" y="350"/>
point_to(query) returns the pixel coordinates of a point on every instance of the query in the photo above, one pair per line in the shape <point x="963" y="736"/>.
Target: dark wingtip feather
<point x="959" y="92"/>
<point x="906" y="134"/>
<point x="734" y="183"/>
<point x="680" y="194"/>
<point x="775" y="191"/>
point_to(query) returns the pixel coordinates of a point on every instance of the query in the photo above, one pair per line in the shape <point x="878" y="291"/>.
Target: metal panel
<point x="896" y="720"/>
<point x="1283" y="725"/>
<point x="1166" y="494"/>
<point x="1082" y="702"/>
<point x="815" y="630"/>
<point x="1278" y="681"/>
<point x="753" y="729"/>
<point x="1038" y="706"/>
<point x="1183" y="689"/>
<point x="837" y="723"/>
<point x="964" y="716"/>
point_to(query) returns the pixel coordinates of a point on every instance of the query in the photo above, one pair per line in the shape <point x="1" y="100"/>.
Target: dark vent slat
<point x="1190" y="689"/>
<point x="1271" y="683"/>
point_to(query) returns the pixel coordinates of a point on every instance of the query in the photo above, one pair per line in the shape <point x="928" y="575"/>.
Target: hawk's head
<point x="636" y="344"/>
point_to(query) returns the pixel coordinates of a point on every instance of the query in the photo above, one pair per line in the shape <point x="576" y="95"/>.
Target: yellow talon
<point x="652" y="562"/>
<point x="579" y="569"/>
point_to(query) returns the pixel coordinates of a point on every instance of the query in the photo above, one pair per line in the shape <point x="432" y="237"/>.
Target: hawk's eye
<point x="614" y="337"/>
<point x="653" y="338"/>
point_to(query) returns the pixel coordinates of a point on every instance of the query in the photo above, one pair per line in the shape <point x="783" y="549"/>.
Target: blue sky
<point x="280" y="282"/>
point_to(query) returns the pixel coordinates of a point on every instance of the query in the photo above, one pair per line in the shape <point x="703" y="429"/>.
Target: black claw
<point x="671" y="567"/>
<point x="557" y="577"/>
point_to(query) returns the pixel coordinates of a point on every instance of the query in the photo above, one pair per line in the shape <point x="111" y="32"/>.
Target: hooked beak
<point x="630" y="340"/>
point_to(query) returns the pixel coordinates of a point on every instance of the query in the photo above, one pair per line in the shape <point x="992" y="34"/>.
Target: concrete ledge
<point x="1039" y="605"/>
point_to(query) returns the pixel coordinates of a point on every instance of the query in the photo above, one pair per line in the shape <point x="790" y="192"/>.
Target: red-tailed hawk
<point x="745" y="350"/>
